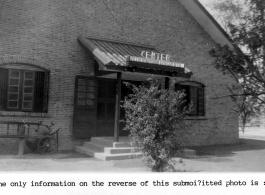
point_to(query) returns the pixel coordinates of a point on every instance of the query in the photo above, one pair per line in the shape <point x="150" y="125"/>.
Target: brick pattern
<point x="44" y="33"/>
<point x="25" y="61"/>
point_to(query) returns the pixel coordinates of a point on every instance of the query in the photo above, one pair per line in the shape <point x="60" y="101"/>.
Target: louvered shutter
<point x="41" y="92"/>
<point x="3" y="87"/>
<point x="46" y="92"/>
<point x="186" y="91"/>
<point x="193" y="99"/>
<point x="200" y="101"/>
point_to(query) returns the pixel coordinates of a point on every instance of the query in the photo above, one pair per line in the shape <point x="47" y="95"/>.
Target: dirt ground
<point x="246" y="156"/>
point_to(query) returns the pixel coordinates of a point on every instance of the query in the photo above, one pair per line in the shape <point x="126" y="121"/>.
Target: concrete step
<point x="94" y="146"/>
<point x="119" y="150"/>
<point x="104" y="156"/>
<point x="85" y="150"/>
<point x="110" y="150"/>
<point x="107" y="155"/>
<point x="119" y="153"/>
<point x="121" y="144"/>
<point x="105" y="149"/>
<point x="102" y="141"/>
<point x="108" y="142"/>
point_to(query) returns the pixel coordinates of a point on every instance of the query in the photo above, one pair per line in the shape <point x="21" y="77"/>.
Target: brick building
<point x="60" y="61"/>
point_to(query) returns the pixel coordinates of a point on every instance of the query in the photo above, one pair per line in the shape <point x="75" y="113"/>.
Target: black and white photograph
<point x="123" y="89"/>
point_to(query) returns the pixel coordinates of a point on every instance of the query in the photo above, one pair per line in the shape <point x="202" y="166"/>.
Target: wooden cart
<point x="40" y="143"/>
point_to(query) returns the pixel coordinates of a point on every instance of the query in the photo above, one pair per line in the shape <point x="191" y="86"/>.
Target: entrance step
<point x="101" y="141"/>
<point x="123" y="156"/>
<point x="105" y="149"/>
<point x="108" y="142"/>
<point x="87" y="151"/>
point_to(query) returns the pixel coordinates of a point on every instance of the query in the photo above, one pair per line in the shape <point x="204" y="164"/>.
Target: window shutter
<point x="200" y="101"/>
<point x="14" y="90"/>
<point x="177" y="87"/>
<point x="184" y="88"/>
<point x="46" y="92"/>
<point x="41" y="91"/>
<point x="181" y="87"/>
<point x="195" y="94"/>
<point x="3" y="87"/>
<point x="28" y="91"/>
<point x="193" y="99"/>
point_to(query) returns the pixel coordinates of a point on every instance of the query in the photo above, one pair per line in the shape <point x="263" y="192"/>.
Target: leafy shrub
<point x="155" y="119"/>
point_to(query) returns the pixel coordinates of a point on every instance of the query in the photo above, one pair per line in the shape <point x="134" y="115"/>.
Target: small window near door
<point x="85" y="92"/>
<point x="194" y="94"/>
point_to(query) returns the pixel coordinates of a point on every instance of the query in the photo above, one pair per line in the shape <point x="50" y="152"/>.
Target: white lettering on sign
<point x="154" y="61"/>
<point x="155" y="56"/>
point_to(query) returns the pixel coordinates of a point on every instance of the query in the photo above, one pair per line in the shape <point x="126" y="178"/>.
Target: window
<point x="85" y="92"/>
<point x="194" y="93"/>
<point x="23" y="90"/>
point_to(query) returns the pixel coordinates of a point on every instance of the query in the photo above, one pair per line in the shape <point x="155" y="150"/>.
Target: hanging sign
<point x="155" y="58"/>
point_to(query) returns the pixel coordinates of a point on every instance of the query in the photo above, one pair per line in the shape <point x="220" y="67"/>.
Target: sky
<point x="205" y="2"/>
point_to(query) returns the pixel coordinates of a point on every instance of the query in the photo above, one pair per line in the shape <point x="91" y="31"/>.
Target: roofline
<point x="121" y="42"/>
<point x="95" y="51"/>
<point x="218" y="26"/>
<point x="213" y="20"/>
<point x="207" y="20"/>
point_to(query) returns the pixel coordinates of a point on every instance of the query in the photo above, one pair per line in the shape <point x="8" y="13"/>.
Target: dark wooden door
<point x="106" y="107"/>
<point x="84" y="123"/>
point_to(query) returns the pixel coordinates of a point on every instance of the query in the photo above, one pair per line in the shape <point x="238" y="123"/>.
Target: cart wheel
<point x="46" y="145"/>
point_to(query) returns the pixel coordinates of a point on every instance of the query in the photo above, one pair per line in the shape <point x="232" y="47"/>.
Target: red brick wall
<point x="45" y="33"/>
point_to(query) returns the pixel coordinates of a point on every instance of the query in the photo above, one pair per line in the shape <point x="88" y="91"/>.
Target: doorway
<point x="94" y="108"/>
<point x="106" y="107"/>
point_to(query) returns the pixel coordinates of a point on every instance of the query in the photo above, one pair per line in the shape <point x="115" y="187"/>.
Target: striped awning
<point x="121" y="56"/>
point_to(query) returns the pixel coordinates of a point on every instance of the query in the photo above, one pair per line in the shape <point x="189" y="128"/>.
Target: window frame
<point x="22" y="85"/>
<point x="21" y="93"/>
<point x="200" y="88"/>
<point x="9" y="93"/>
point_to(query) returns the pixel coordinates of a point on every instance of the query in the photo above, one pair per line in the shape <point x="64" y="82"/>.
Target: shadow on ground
<point x="228" y="150"/>
<point x="56" y="156"/>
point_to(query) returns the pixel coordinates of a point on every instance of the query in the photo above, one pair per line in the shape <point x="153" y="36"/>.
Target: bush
<point x="155" y="119"/>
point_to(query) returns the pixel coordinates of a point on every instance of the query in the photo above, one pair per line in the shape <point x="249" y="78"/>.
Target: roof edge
<point x="122" y="42"/>
<point x="206" y="20"/>
<point x="101" y="56"/>
<point x="213" y="20"/>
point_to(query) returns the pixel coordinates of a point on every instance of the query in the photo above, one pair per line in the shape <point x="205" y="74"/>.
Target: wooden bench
<point x="22" y="132"/>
